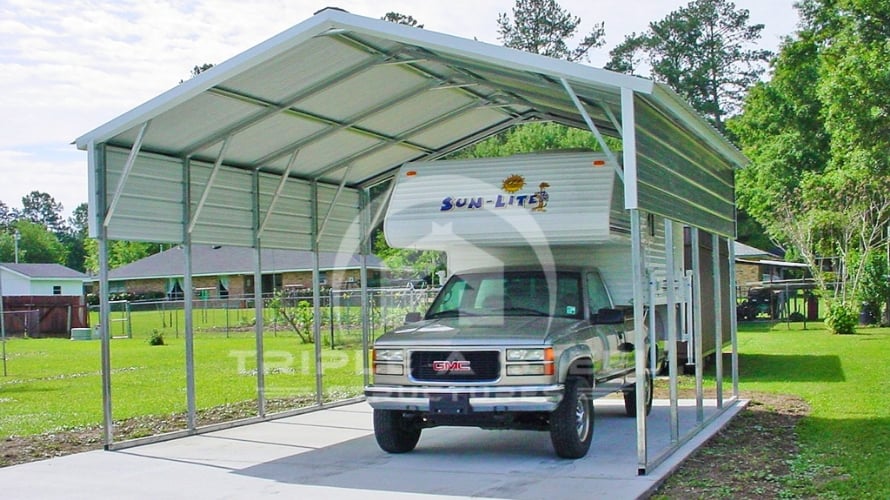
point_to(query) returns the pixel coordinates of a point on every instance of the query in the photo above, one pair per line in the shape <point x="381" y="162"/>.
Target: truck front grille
<point x="455" y="366"/>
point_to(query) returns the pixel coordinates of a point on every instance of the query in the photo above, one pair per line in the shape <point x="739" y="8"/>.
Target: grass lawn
<point x="55" y="384"/>
<point x="845" y="441"/>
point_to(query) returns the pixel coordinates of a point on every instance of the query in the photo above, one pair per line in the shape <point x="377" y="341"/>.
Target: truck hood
<point x="480" y="330"/>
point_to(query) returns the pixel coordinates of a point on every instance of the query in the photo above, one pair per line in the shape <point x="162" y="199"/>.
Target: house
<point x="42" y="299"/>
<point x="40" y="280"/>
<point x="228" y="271"/>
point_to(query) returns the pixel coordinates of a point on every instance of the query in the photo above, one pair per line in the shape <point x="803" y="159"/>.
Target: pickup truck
<point x="506" y="348"/>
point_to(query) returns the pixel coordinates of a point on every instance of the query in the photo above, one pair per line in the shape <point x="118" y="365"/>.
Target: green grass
<point x="845" y="441"/>
<point x="55" y="384"/>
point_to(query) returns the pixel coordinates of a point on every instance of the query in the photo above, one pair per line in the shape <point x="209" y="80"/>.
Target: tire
<point x="571" y="424"/>
<point x="630" y="398"/>
<point x="394" y="432"/>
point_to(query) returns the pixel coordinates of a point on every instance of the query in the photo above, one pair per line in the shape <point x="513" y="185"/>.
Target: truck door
<point x="610" y="335"/>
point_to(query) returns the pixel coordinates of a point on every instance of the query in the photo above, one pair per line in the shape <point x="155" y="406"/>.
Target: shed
<point x="280" y="146"/>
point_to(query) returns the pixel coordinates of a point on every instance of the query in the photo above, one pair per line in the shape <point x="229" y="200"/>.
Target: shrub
<point x="841" y="319"/>
<point x="156" y="338"/>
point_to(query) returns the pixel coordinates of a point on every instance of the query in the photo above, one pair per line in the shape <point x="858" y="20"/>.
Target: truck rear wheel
<point x="571" y="424"/>
<point x="394" y="432"/>
<point x="630" y="397"/>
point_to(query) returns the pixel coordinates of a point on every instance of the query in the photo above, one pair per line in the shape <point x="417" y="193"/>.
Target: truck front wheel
<point x="571" y="424"/>
<point x="394" y="432"/>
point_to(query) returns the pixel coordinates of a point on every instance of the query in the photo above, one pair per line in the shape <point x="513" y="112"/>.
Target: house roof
<point x="44" y="271"/>
<point x="743" y="251"/>
<point x="213" y="260"/>
<point x="338" y="102"/>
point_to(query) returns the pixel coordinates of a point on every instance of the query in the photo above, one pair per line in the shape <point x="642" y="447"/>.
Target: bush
<point x="156" y="338"/>
<point x="841" y="319"/>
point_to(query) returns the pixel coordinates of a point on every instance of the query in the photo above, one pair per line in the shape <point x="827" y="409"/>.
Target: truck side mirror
<point x="625" y="347"/>
<point x="609" y="317"/>
<point x="413" y="317"/>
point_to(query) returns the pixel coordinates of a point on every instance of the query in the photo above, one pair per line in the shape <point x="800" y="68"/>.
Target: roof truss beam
<point x="593" y="129"/>
<point x="128" y="168"/>
<point x="207" y="187"/>
<point x="280" y="189"/>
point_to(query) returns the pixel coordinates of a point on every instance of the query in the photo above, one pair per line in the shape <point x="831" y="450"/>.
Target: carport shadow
<point x="452" y="461"/>
<point x="789" y="368"/>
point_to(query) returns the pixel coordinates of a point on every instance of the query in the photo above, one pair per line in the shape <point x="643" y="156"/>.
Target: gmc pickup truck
<point x="506" y="348"/>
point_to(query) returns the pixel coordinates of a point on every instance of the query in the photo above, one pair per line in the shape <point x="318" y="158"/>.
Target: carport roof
<point x="342" y="98"/>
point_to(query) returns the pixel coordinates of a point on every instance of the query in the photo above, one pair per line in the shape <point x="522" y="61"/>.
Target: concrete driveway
<point x="332" y="454"/>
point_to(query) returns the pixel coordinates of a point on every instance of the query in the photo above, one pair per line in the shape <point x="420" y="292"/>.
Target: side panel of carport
<point x="226" y="205"/>
<point x="670" y="174"/>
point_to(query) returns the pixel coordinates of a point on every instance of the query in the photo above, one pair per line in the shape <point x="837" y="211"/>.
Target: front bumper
<point x="477" y="399"/>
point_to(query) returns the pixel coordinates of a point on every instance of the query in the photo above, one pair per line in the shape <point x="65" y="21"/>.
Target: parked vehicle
<point x="516" y="348"/>
<point x="535" y="319"/>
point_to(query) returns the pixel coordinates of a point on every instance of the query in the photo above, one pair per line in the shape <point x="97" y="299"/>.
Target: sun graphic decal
<point x="513" y="183"/>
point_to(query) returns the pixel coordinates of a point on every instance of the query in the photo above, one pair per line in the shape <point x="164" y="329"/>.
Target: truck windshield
<point x="512" y="293"/>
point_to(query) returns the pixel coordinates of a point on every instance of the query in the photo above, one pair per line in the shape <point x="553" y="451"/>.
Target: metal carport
<point x="278" y="147"/>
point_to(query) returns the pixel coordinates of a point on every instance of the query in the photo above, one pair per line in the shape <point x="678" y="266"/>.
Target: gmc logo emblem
<point x="452" y="366"/>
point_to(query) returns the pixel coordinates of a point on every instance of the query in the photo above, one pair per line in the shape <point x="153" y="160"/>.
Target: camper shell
<point x="527" y="231"/>
<point x="487" y="212"/>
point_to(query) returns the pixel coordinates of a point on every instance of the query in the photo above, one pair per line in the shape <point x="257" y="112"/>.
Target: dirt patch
<point x="751" y="458"/>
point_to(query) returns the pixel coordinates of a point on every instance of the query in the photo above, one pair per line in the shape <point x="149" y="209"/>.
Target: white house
<point x="40" y="280"/>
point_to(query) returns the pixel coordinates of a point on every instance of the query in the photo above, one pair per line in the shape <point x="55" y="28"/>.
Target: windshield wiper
<point x="449" y="313"/>
<point x="525" y="310"/>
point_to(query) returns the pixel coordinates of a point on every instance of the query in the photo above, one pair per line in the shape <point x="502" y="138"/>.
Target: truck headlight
<point x="391" y="355"/>
<point x="545" y="354"/>
<point x="530" y="361"/>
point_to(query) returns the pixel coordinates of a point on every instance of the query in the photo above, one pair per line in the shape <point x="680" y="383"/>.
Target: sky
<point x="69" y="66"/>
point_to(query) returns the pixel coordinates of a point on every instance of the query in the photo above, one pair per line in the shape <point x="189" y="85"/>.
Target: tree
<point x="41" y="208"/>
<point x="7" y="216"/>
<point x="704" y="51"/>
<point x="197" y="70"/>
<point x="38" y="245"/>
<point x="75" y="238"/>
<point x="532" y="137"/>
<point x="542" y="27"/>
<point x="78" y="223"/>
<point x="395" y="17"/>
<point x="119" y="253"/>
<point x="817" y="137"/>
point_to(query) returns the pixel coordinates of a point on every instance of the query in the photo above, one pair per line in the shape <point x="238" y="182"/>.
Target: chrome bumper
<point x="480" y="399"/>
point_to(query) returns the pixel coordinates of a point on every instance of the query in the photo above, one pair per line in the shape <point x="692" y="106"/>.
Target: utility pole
<point x="17" y="236"/>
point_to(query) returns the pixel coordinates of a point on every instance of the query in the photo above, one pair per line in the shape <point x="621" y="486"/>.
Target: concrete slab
<point x="332" y="454"/>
